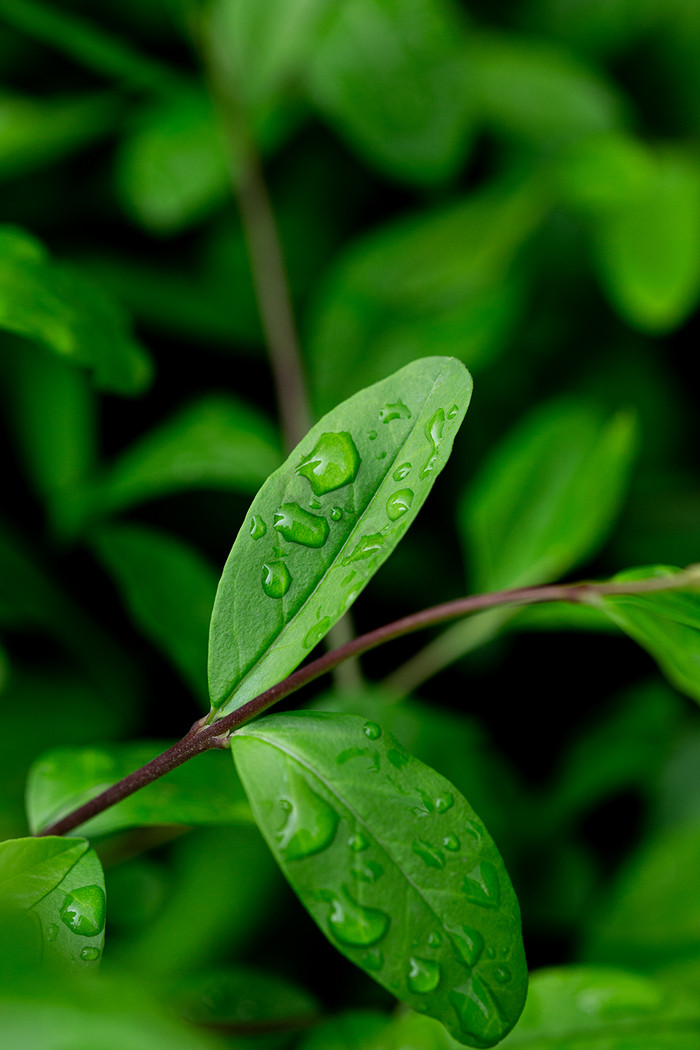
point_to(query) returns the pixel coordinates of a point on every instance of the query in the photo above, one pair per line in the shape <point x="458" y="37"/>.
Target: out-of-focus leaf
<point x="393" y="80"/>
<point x="392" y="863"/>
<point x="600" y="173"/>
<point x="172" y="169"/>
<point x="647" y="250"/>
<point x="35" y="132"/>
<point x="666" y="624"/>
<point x="169" y="589"/>
<point x="547" y="495"/>
<point x="535" y="91"/>
<point x="216" y="442"/>
<point x="440" y="280"/>
<point x="365" y="471"/>
<point x="200" y="792"/>
<point x="354" y="1030"/>
<point x="68" y="316"/>
<point x="594" y="27"/>
<point x="676" y="798"/>
<point x="248" y="999"/>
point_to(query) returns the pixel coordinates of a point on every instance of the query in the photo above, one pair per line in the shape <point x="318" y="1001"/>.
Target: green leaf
<point x="353" y="1030"/>
<point x="392" y="863"/>
<point x="548" y="494"/>
<point x="172" y="169"/>
<point x="169" y="589"/>
<point x="60" y="883"/>
<point x="67" y="315"/>
<point x="666" y="624"/>
<point x="393" y="80"/>
<point x="436" y="280"/>
<point x="601" y="173"/>
<point x="196" y="793"/>
<point x="245" y="998"/>
<point x="324" y="522"/>
<point x="214" y="442"/>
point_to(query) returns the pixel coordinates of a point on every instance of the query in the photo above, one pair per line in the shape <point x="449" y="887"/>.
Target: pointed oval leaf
<point x="392" y="863"/>
<point x="324" y="522"/>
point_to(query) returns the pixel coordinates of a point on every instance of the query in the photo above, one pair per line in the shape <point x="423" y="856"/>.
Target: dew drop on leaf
<point x="333" y="463"/>
<point x="502" y="974"/>
<point x="83" y="911"/>
<point x="372" y="435"/>
<point x="444" y="802"/>
<point x="453" y="412"/>
<point x="395" y="411"/>
<point x="297" y="525"/>
<point x="367" y="871"/>
<point x="310" y="822"/>
<point x="435" y="939"/>
<point x="354" y="925"/>
<point x="258" y="528"/>
<point x="397" y="758"/>
<point x="336" y="513"/>
<point x="468" y="942"/>
<point x="428" y="854"/>
<point x="52" y="932"/>
<point x="472" y="830"/>
<point x="402" y="471"/>
<point x="314" y="636"/>
<point x="481" y="886"/>
<point x="474" y="1009"/>
<point x="423" y="975"/>
<point x="372" y="730"/>
<point x="367" y="546"/>
<point x="398" y="503"/>
<point x="433" y="431"/>
<point x="276" y="579"/>
<point x="358" y="842"/>
<point x="373" y="960"/>
<point x="90" y="954"/>
<point x="451" y="842"/>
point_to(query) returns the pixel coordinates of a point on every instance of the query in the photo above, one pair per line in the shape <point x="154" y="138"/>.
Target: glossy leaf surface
<point x="201" y="792"/>
<point x="324" y="522"/>
<point x="392" y="863"/>
<point x="67" y="315"/>
<point x="666" y="624"/>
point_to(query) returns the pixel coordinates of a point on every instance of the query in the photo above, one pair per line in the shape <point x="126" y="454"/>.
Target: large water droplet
<point x="423" y="975"/>
<point x="355" y="925"/>
<point x="402" y="471"/>
<point x="83" y="911"/>
<point x="90" y="954"/>
<point x="300" y="526"/>
<point x="396" y="411"/>
<point x="481" y="886"/>
<point x="314" y="636"/>
<point x="428" y="854"/>
<point x="451" y="842"/>
<point x="310" y="825"/>
<point x="258" y="528"/>
<point x="398" y="503"/>
<point x="475" y="1011"/>
<point x="275" y="579"/>
<point x="52" y="932"/>
<point x="444" y="802"/>
<point x="366" y="548"/>
<point x="373" y="960"/>
<point x="468" y="942"/>
<point x="433" y="431"/>
<point x="333" y="463"/>
<point x="372" y="730"/>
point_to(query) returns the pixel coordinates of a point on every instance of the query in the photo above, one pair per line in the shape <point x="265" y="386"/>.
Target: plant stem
<point x="203" y="736"/>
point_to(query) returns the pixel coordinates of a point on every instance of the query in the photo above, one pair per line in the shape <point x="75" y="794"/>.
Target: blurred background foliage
<point x="517" y="185"/>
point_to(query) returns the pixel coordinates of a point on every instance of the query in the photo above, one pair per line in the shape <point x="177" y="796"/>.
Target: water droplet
<point x="453" y="412"/>
<point x="502" y="974"/>
<point x="314" y="636"/>
<point x="468" y="942"/>
<point x="451" y="842"/>
<point x="315" y="504"/>
<point x="398" y="504"/>
<point x="428" y="854"/>
<point x="336" y="513"/>
<point x="355" y="925"/>
<point x="348" y="579"/>
<point x="358" y="842"/>
<point x="368" y="546"/>
<point x="90" y="954"/>
<point x="435" y="939"/>
<point x="402" y="471"/>
<point x="481" y="887"/>
<point x="472" y="830"/>
<point x="433" y="431"/>
<point x="310" y="823"/>
<point x="423" y="975"/>
<point x="367" y="871"/>
<point x="372" y="730"/>
<point x="395" y="411"/>
<point x="297" y="525"/>
<point x="258" y="528"/>
<point x="275" y="579"/>
<point x="83" y="911"/>
<point x="52" y="932"/>
<point x="380" y="455"/>
<point x="373" y="960"/>
<point x="491" y="953"/>
<point x="444" y="802"/>
<point x="474" y="1009"/>
<point x="333" y="463"/>
<point x="428" y="806"/>
<point x="372" y="435"/>
<point x="359" y="752"/>
<point x="285" y="804"/>
<point x="397" y="758"/>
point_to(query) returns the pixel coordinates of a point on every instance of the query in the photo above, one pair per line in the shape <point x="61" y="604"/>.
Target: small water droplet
<point x="52" y="932"/>
<point x="444" y="802"/>
<point x="310" y="824"/>
<point x="481" y="886"/>
<point x="433" y="431"/>
<point x="472" y="830"/>
<point x="423" y="975"/>
<point x="367" y="871"/>
<point x="359" y="752"/>
<point x="398" y="504"/>
<point x="435" y="939"/>
<point x="372" y="730"/>
<point x="397" y="758"/>
<point x="258" y="528"/>
<point x="314" y="636"/>
<point x="83" y="911"/>
<point x="380" y="455"/>
<point x="453" y="412"/>
<point x="333" y="463"/>
<point x="502" y="974"/>
<point x="348" y="579"/>
<point x="373" y="960"/>
<point x="490" y="953"/>
<point x="315" y="504"/>
<point x="396" y="411"/>
<point x="358" y="842"/>
<point x="475" y="1011"/>
<point x="451" y="842"/>
<point x="285" y="804"/>
<point x="468" y="942"/>
<point x="428" y="854"/>
<point x="372" y="435"/>
<point x="276" y="579"/>
<point x="90" y="954"/>
<point x="366" y="548"/>
<point x="336" y="513"/>
<point x="297" y="525"/>
<point x="355" y="925"/>
<point x="402" y="471"/>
